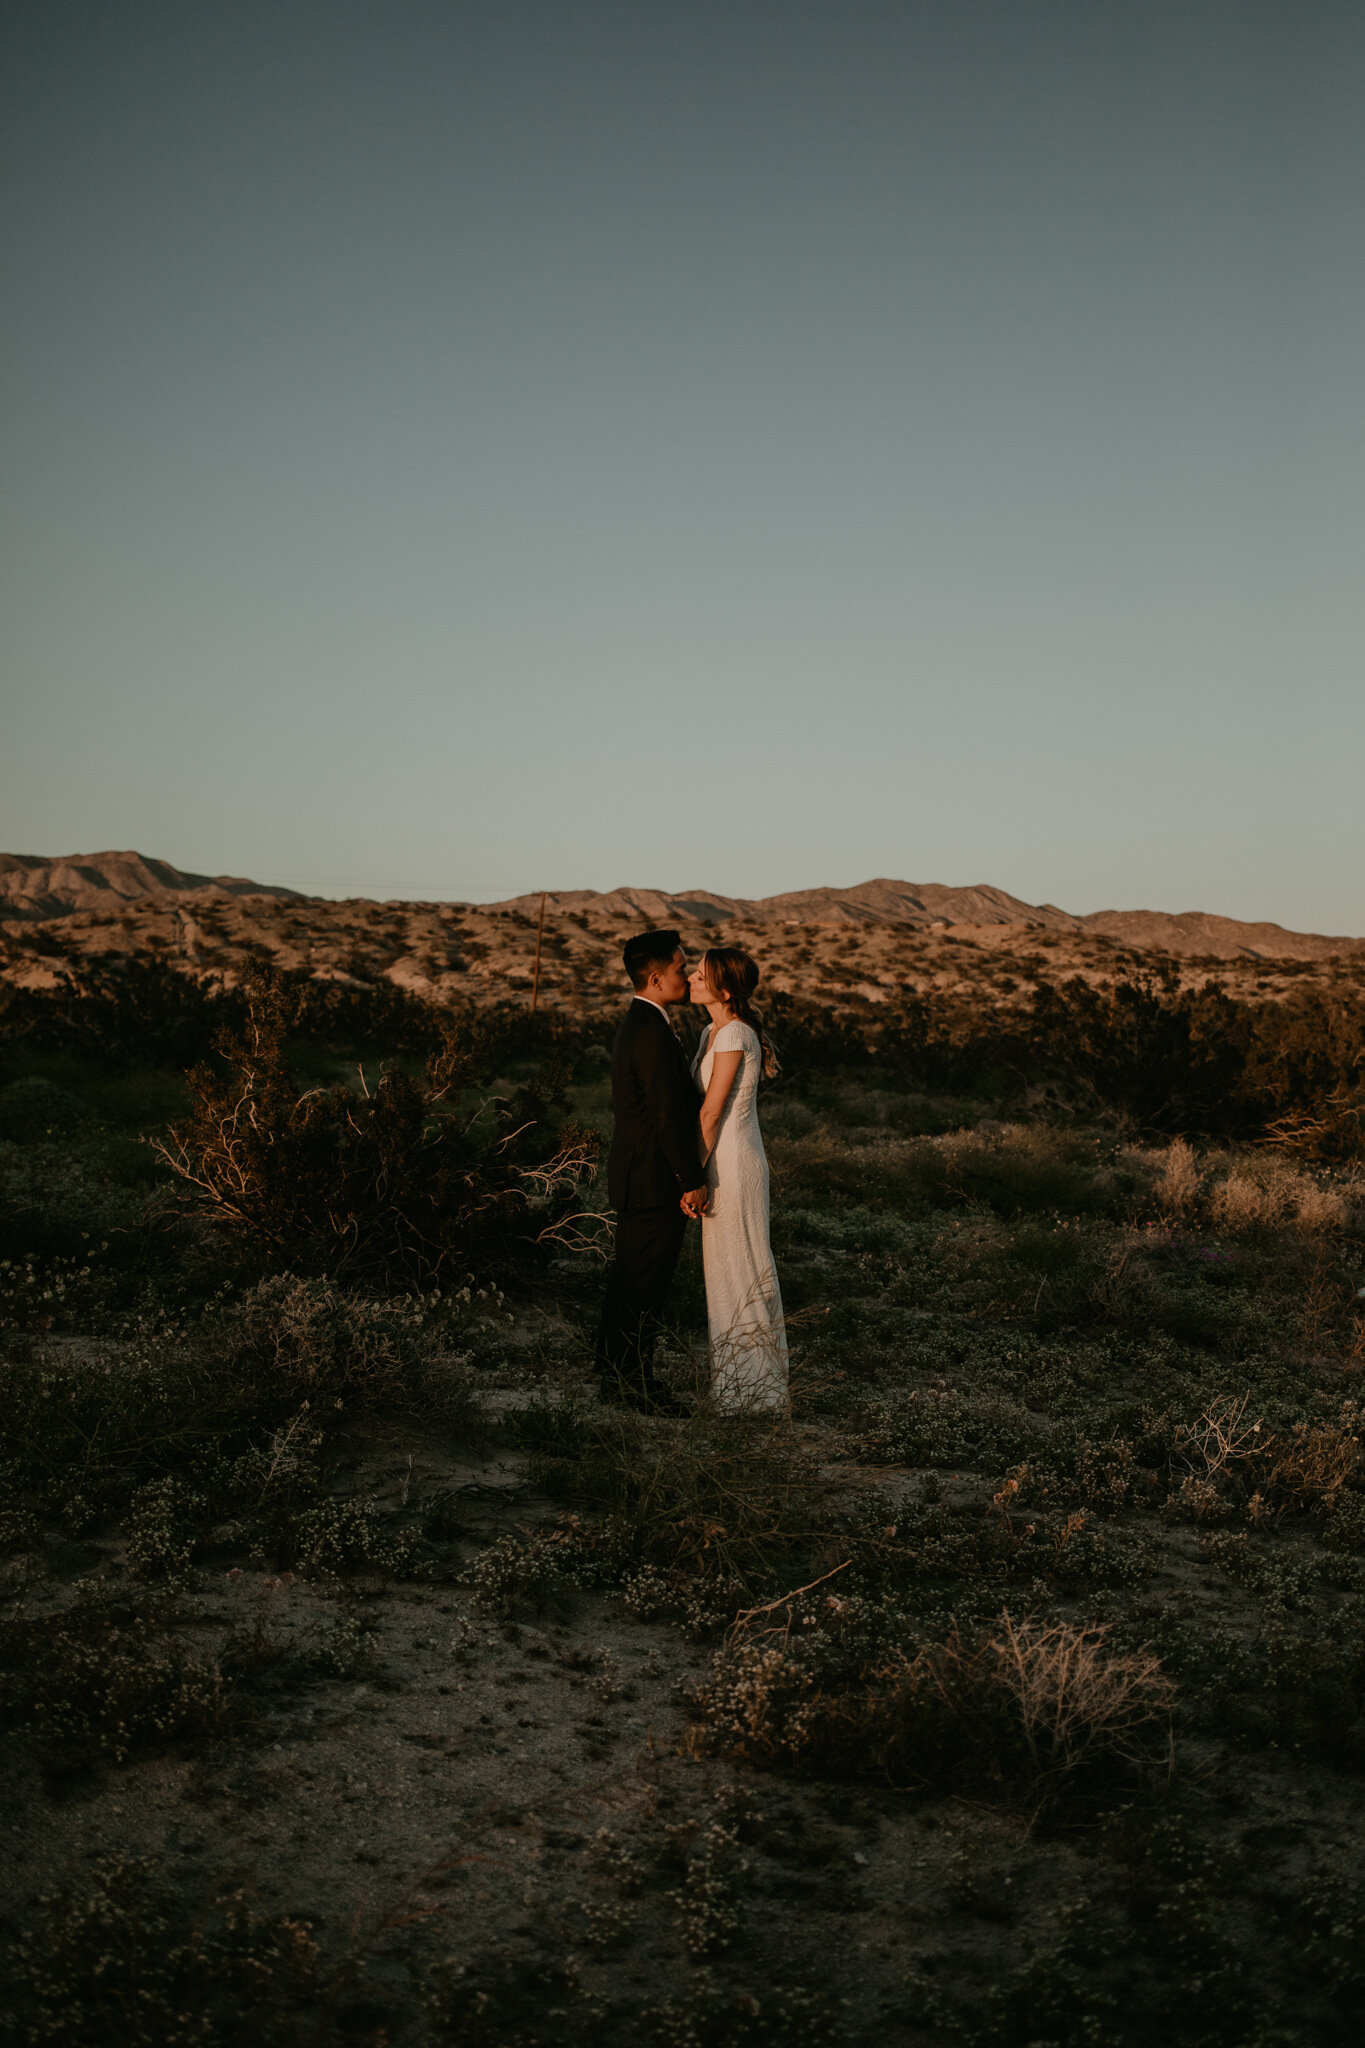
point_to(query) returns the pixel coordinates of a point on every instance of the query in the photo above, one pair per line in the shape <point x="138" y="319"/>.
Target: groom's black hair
<point x="650" y="950"/>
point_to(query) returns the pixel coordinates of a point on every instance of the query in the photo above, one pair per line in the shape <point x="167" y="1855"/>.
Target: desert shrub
<point x="1265" y="1193"/>
<point x="388" y="1186"/>
<point x="1311" y="1466"/>
<point x="117" y="1955"/>
<point x="1330" y="1921"/>
<point x="83" y="1250"/>
<point x="233" y="1407"/>
<point x="348" y="1650"/>
<point x="1241" y="1203"/>
<point x="1304" y="1065"/>
<point x="1011" y="1169"/>
<point x="822" y="1166"/>
<point x="816" y="1039"/>
<point x="1230" y="1458"/>
<point x="1101" y="1469"/>
<point x="56" y="1293"/>
<point x="1139" y="1049"/>
<point x="714" y="1497"/>
<point x="1178" y="1184"/>
<point x="1174" y="1967"/>
<point x="80" y="1433"/>
<point x="524" y="2002"/>
<point x="941" y="1425"/>
<point x="1018" y="1168"/>
<point x="355" y="1014"/>
<point x="1295" y="1682"/>
<point x="163" y="1519"/>
<point x="1345" y="1528"/>
<point x="1075" y="1696"/>
<point x="1157" y="1057"/>
<point x="102" y="1677"/>
<point x="33" y="1107"/>
<point x="516" y="1569"/>
<point x="709" y="1900"/>
<point x="1071" y="1469"/>
<point x="290" y="1340"/>
<point x="51" y="1207"/>
<point x="1022" y="1700"/>
<point x="122" y="1011"/>
<point x="338" y="1535"/>
<point x="781" y="2016"/>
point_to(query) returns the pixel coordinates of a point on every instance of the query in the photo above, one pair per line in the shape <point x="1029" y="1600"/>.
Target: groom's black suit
<point x="655" y="1158"/>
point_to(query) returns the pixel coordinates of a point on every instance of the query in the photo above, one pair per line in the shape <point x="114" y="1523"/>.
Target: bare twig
<point x="785" y="1599"/>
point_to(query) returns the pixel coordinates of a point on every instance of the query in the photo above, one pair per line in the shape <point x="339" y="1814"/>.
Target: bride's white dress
<point x="743" y="1301"/>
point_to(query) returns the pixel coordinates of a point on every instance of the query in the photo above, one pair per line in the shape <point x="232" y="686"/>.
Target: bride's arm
<point x="723" y="1070"/>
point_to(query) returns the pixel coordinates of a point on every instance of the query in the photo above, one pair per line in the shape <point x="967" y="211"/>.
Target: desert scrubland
<point x="365" y="1680"/>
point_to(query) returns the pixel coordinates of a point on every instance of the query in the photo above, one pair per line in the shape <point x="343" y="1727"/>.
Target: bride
<point x="743" y="1302"/>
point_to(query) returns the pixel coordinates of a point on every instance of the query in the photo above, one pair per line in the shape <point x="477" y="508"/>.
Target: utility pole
<point x="540" y="933"/>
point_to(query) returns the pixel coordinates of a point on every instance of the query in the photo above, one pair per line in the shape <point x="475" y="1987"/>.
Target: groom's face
<point x="669" y="984"/>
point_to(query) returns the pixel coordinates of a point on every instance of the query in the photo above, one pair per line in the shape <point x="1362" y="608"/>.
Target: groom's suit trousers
<point x="648" y="1242"/>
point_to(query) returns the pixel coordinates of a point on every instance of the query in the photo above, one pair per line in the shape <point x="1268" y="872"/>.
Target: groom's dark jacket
<point x="655" y="1151"/>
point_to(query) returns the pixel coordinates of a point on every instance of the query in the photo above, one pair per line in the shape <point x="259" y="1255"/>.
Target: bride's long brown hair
<point x="733" y="973"/>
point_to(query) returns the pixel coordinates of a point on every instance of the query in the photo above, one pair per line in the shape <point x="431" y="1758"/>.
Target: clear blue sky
<point x="454" y="449"/>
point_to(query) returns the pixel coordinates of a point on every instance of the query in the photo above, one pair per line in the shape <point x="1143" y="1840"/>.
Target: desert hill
<point x="929" y="904"/>
<point x="34" y="887"/>
<point x="871" y="944"/>
<point x="880" y="902"/>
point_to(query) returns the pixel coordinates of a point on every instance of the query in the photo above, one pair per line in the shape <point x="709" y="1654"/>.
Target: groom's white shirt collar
<point x="638" y="998"/>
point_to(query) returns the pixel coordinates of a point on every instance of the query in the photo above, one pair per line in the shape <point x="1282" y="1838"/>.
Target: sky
<point x="454" y="449"/>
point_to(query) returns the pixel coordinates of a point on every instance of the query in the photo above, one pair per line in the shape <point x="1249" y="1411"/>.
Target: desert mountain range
<point x="865" y="944"/>
<point x="927" y="904"/>
<point x="32" y="887"/>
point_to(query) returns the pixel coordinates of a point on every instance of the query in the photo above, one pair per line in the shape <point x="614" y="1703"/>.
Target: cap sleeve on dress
<point x="732" y="1037"/>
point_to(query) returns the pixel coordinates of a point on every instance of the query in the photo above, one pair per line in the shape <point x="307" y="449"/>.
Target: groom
<point x="654" y="1173"/>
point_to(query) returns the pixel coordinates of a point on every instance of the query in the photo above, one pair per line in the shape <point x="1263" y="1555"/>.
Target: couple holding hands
<point x="687" y="1146"/>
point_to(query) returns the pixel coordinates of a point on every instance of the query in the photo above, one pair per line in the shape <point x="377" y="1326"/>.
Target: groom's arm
<point x="673" y="1115"/>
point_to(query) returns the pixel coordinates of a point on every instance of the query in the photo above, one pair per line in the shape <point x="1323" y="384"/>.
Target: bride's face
<point x="699" y="988"/>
